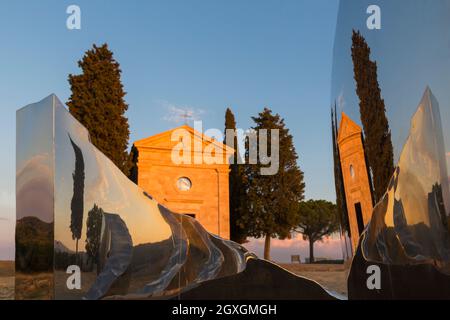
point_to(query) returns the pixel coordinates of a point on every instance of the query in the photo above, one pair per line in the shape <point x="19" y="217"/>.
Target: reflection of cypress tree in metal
<point x="114" y="259"/>
<point x="377" y="142"/>
<point x="93" y="233"/>
<point x="77" y="203"/>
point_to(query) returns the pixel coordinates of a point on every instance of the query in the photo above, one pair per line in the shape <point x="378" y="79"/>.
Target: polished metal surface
<point x="408" y="238"/>
<point x="410" y="225"/>
<point x="405" y="245"/>
<point x="125" y="243"/>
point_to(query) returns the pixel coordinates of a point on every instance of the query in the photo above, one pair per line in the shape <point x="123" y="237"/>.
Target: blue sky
<point x="412" y="51"/>
<point x="199" y="55"/>
<point x="208" y="55"/>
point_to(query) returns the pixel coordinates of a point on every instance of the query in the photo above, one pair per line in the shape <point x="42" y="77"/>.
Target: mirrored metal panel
<point x="410" y="224"/>
<point x="94" y="233"/>
<point x="388" y="78"/>
<point x="34" y="201"/>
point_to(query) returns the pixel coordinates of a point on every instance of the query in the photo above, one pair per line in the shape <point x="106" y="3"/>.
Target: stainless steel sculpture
<point x="75" y="208"/>
<point x="79" y="216"/>
<point x="406" y="243"/>
<point x="410" y="224"/>
<point x="408" y="236"/>
<point x="72" y="200"/>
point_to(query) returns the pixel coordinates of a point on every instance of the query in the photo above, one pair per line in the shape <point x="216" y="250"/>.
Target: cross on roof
<point x="187" y="115"/>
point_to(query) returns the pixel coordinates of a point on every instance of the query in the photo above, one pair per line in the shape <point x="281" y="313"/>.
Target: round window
<point x="352" y="171"/>
<point x="184" y="184"/>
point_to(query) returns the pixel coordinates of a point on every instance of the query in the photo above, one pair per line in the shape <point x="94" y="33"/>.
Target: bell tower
<point x="358" y="191"/>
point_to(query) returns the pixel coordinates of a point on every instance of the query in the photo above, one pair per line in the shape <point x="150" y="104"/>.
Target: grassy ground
<point x="30" y="286"/>
<point x="6" y="288"/>
<point x="6" y="280"/>
<point x="331" y="276"/>
<point x="6" y="268"/>
<point x="37" y="286"/>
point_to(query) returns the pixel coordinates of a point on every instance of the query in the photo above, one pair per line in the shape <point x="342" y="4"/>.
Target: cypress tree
<point x="97" y="101"/>
<point x="272" y="200"/>
<point x="236" y="184"/>
<point x="132" y="169"/>
<point x="378" y="144"/>
<point x="77" y="203"/>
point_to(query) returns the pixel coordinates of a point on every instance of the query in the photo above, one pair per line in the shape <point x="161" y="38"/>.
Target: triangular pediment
<point x="347" y="127"/>
<point x="163" y="140"/>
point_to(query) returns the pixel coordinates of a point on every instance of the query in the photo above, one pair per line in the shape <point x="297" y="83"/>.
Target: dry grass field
<point x="332" y="277"/>
<point x="6" y="280"/>
<point x="38" y="286"/>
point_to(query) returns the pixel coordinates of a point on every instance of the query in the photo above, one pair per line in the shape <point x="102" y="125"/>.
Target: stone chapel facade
<point x="200" y="190"/>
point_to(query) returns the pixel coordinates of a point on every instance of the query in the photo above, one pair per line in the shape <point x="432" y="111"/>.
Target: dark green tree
<point x="272" y="200"/>
<point x="377" y="142"/>
<point x="77" y="203"/>
<point x="93" y="232"/>
<point x="236" y="183"/>
<point x="318" y="218"/>
<point x="132" y="164"/>
<point x="97" y="101"/>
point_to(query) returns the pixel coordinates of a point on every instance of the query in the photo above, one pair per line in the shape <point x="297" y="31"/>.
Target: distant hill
<point x="34" y="229"/>
<point x="34" y="245"/>
<point x="60" y="247"/>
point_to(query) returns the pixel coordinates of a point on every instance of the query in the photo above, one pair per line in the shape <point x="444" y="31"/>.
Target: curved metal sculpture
<point x="408" y="236"/>
<point x="139" y="248"/>
<point x="135" y="248"/>
<point x="410" y="224"/>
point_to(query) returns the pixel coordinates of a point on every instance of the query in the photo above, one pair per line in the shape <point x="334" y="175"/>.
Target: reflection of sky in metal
<point x="34" y="163"/>
<point x="412" y="51"/>
<point x="409" y="225"/>
<point x="420" y="163"/>
<point x="105" y="186"/>
<point x="35" y="188"/>
<point x="138" y="241"/>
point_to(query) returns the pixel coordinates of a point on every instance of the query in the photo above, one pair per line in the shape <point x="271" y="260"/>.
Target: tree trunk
<point x="76" y="252"/>
<point x="311" y="251"/>
<point x="267" y="247"/>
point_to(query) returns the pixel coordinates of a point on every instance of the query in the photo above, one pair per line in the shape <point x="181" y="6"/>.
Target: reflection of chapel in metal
<point x="199" y="190"/>
<point x="355" y="174"/>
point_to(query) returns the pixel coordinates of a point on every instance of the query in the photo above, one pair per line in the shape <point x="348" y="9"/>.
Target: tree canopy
<point x="236" y="184"/>
<point x="77" y="203"/>
<point x="318" y="218"/>
<point x="377" y="136"/>
<point x="272" y="199"/>
<point x="97" y="101"/>
<point x="93" y="232"/>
